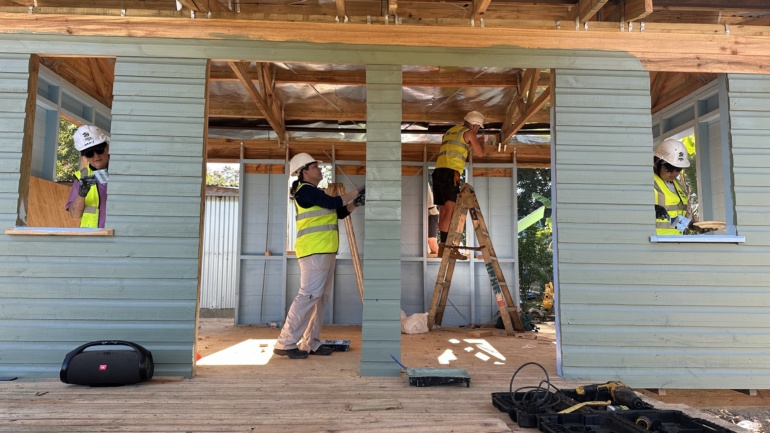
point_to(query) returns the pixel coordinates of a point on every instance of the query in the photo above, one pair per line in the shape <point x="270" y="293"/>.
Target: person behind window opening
<point x="457" y="142"/>
<point x="316" y="248"/>
<point x="88" y="197"/>
<point x="432" y="223"/>
<point x="670" y="158"/>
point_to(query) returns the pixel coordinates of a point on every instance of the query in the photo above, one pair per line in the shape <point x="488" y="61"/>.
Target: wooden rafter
<point x="525" y="105"/>
<point x="478" y="9"/>
<point x="268" y="109"/>
<point x="341" y="13"/>
<point x="585" y="10"/>
<point x="98" y="76"/>
<point x="637" y="10"/>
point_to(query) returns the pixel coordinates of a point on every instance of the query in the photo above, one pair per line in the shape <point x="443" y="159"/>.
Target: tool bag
<point x="111" y="363"/>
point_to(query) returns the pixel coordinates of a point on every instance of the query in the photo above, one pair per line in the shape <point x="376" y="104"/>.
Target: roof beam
<point x="636" y="10"/>
<point x="267" y="107"/>
<point x="714" y="5"/>
<point x="697" y="49"/>
<point x="341" y="14"/>
<point x="524" y="107"/>
<point x="358" y="77"/>
<point x="478" y="9"/>
<point x="585" y="10"/>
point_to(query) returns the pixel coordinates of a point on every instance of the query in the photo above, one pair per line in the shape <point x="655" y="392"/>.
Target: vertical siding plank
<point x="382" y="333"/>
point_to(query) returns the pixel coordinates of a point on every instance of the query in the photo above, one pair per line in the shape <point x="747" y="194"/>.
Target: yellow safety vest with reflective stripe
<point x="675" y="204"/>
<point x="454" y="149"/>
<point x="316" y="230"/>
<point x="90" y="218"/>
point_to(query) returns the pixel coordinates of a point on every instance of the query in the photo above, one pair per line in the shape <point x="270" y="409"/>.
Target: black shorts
<point x="445" y="187"/>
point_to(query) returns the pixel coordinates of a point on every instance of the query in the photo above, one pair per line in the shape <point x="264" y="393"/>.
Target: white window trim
<point x="691" y="102"/>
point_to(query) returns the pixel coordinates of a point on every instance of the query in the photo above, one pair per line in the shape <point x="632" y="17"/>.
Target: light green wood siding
<point x="654" y="315"/>
<point x="140" y="285"/>
<point x="381" y="329"/>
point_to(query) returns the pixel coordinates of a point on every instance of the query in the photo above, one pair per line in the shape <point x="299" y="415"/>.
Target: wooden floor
<point x="240" y="387"/>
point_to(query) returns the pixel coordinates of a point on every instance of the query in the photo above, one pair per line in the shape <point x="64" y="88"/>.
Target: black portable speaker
<point x="111" y="363"/>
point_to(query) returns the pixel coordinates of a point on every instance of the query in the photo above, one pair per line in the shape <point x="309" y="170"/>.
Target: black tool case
<point x="107" y="363"/>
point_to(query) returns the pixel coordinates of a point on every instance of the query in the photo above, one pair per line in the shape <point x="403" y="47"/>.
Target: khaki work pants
<point x="306" y="314"/>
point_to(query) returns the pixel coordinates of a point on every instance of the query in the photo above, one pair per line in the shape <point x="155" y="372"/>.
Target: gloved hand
<point x="86" y="182"/>
<point x="360" y="200"/>
<point x="660" y="212"/>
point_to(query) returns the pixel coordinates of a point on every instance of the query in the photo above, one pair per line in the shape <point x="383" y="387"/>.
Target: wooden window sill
<point x="53" y="231"/>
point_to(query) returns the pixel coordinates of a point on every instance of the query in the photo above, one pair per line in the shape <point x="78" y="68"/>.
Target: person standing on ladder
<point x="456" y="144"/>
<point x="316" y="249"/>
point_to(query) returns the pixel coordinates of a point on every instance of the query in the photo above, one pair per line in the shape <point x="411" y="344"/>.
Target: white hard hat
<point x="475" y="118"/>
<point x="673" y="152"/>
<point x="299" y="161"/>
<point x="89" y="136"/>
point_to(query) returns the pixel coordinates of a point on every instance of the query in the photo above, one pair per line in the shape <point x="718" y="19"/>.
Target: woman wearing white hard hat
<point x="670" y="158"/>
<point x="316" y="248"/>
<point x="456" y="144"/>
<point x="88" y="197"/>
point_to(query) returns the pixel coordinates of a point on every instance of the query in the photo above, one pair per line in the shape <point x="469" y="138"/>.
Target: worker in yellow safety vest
<point x="316" y="248"/>
<point x="456" y="144"/>
<point x="87" y="200"/>
<point x="670" y="158"/>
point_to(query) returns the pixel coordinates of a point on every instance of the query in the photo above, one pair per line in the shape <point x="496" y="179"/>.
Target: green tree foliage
<point x="691" y="175"/>
<point x="67" y="158"/>
<point x="535" y="254"/>
<point x="227" y="176"/>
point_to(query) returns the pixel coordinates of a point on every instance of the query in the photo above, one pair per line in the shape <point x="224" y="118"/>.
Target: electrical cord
<point x="534" y="399"/>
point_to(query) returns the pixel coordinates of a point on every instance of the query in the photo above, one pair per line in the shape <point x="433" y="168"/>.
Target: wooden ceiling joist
<point x="357" y="77"/>
<point x="341" y="13"/>
<point x="266" y="104"/>
<point x="478" y="9"/>
<point x="524" y="107"/>
<point x="585" y="10"/>
<point x="637" y="10"/>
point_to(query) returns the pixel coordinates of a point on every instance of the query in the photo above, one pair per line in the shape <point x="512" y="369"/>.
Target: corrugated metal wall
<point x="220" y="253"/>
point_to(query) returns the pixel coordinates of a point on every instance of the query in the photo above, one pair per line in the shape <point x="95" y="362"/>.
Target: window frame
<point x="52" y="94"/>
<point x="692" y="115"/>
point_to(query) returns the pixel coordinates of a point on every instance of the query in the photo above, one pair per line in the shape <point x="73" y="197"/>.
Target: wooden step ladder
<point x="336" y="189"/>
<point x="467" y="203"/>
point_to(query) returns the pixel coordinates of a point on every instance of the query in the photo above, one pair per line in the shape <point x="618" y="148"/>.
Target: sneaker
<point x="322" y="350"/>
<point x="291" y="353"/>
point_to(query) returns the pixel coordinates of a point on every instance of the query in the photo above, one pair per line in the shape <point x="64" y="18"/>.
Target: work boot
<point x="291" y="353"/>
<point x="322" y="350"/>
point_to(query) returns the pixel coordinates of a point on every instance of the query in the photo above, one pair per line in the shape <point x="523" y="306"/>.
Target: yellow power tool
<point x="618" y="391"/>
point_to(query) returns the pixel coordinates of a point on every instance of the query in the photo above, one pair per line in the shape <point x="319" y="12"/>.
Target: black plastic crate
<point x="669" y="421"/>
<point x="525" y="406"/>
<point x="593" y="422"/>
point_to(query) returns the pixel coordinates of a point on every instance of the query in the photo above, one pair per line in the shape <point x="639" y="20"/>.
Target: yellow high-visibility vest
<point x="317" y="230"/>
<point x="454" y="149"/>
<point x="675" y="204"/>
<point x="90" y="218"/>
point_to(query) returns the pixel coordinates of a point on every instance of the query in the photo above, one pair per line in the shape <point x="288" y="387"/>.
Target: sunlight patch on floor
<point x="248" y="352"/>
<point x="446" y="357"/>
<point x="479" y="347"/>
